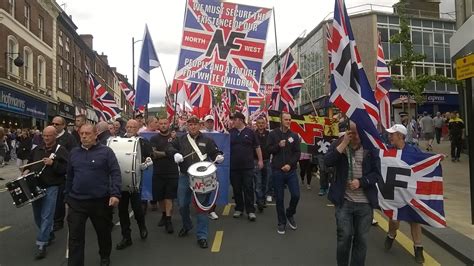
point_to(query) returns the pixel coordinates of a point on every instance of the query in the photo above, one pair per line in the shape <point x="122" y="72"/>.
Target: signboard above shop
<point x="16" y="102"/>
<point x="67" y="111"/>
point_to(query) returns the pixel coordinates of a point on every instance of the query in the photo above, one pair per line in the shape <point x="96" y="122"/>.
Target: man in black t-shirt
<point x="165" y="173"/>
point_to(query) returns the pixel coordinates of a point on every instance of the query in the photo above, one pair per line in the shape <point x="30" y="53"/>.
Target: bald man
<point x="92" y="190"/>
<point x="51" y="174"/>
<point x="133" y="197"/>
<point x="103" y="132"/>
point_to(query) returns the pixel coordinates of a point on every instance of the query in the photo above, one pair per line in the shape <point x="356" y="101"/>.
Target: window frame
<point x="41" y="72"/>
<point x="28" y="64"/>
<point x="41" y="27"/>
<point x="13" y="52"/>
<point x="27" y="15"/>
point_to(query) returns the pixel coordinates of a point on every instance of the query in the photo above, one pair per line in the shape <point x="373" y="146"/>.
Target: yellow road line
<point x="216" y="245"/>
<point x="5" y="228"/>
<point x="404" y="240"/>
<point x="226" y="210"/>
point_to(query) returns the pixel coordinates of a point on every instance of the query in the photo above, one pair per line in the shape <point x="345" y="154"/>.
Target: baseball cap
<point x="193" y="119"/>
<point x="398" y="128"/>
<point x="209" y="117"/>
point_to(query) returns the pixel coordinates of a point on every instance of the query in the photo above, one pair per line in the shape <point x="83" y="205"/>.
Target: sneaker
<point x="126" y="242"/>
<point x="388" y="242"/>
<point x="419" y="258"/>
<point x="292" y="222"/>
<point x="252" y="217"/>
<point x="237" y="214"/>
<point x="308" y="187"/>
<point x="269" y="199"/>
<point x="213" y="216"/>
<point x="40" y="253"/>
<point x="374" y="222"/>
<point x="281" y="229"/>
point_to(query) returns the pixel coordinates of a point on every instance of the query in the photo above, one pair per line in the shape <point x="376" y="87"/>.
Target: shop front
<point x="432" y="103"/>
<point x="67" y="111"/>
<point x="18" y="110"/>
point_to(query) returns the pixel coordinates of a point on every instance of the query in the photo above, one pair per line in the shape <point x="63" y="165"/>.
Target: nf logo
<point x="224" y="49"/>
<point x="388" y="187"/>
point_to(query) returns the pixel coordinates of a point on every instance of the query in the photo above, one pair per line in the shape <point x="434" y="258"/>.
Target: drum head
<point x="202" y="169"/>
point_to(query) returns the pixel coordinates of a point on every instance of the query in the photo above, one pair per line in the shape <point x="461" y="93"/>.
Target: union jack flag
<point x="258" y="103"/>
<point x="329" y="45"/>
<point x="129" y="93"/>
<point x="383" y="85"/>
<point x="350" y="88"/>
<point x="223" y="44"/>
<point x="169" y="101"/>
<point x="411" y="188"/>
<point x="102" y="102"/>
<point x="289" y="82"/>
<point x="200" y="97"/>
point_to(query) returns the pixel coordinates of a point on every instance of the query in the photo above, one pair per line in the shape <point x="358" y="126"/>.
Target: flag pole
<point x="277" y="54"/>
<point x="311" y="101"/>
<point x="175" y="103"/>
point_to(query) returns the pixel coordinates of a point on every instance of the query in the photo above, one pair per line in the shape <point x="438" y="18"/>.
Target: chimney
<point x="88" y="39"/>
<point x="103" y="57"/>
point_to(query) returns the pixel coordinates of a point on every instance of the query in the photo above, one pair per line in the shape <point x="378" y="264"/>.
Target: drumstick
<point x="30" y="164"/>
<point x="189" y="154"/>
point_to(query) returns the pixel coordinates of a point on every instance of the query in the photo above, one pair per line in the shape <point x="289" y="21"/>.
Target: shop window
<point x="28" y="64"/>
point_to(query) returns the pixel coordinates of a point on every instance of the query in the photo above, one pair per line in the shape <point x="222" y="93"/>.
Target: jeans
<point x="100" y="213"/>
<point x="353" y="222"/>
<point x="323" y="173"/>
<point x="281" y="178"/>
<point x="43" y="212"/>
<point x="438" y="132"/>
<point x="135" y="200"/>
<point x="184" y="199"/>
<point x="262" y="181"/>
<point x="242" y="187"/>
<point x="60" y="212"/>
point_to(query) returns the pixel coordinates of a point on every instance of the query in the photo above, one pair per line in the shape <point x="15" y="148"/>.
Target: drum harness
<point x="202" y="157"/>
<point x="51" y="156"/>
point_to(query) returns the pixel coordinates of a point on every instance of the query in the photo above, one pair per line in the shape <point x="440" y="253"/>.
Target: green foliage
<point x="410" y="82"/>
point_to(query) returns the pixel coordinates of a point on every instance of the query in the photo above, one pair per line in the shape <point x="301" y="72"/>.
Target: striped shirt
<point x="358" y="194"/>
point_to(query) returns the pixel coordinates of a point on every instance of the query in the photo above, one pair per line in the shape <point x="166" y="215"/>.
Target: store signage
<point x="66" y="110"/>
<point x="465" y="67"/>
<point x="16" y="102"/>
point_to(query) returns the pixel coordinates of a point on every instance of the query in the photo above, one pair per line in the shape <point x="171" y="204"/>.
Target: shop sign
<point x="16" y="102"/>
<point x="67" y="111"/>
<point x="465" y="67"/>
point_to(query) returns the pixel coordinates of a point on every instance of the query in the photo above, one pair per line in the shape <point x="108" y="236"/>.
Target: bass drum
<point x="129" y="156"/>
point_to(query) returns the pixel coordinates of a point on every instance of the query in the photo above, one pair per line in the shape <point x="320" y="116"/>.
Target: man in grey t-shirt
<point x="438" y="121"/>
<point x="427" y="128"/>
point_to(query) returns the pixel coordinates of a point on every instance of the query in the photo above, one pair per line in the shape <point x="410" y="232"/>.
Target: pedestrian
<point x="456" y="135"/>
<point x="284" y="146"/>
<point x="263" y="183"/>
<point x="103" y="133"/>
<point x="243" y="144"/>
<point x="165" y="174"/>
<point x="354" y="194"/>
<point x="78" y="122"/>
<point x="112" y="130"/>
<point x="23" y="148"/>
<point x="438" y="122"/>
<point x="428" y="129"/>
<point x="196" y="147"/>
<point x="93" y="187"/>
<point x="66" y="140"/>
<point x="133" y="197"/>
<point x="305" y="169"/>
<point x="3" y="147"/>
<point x="397" y="134"/>
<point x="50" y="174"/>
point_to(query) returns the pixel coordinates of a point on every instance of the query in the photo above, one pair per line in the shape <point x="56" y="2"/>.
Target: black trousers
<point x="438" y="132"/>
<point x="135" y="200"/>
<point x="456" y="147"/>
<point x="60" y="212"/>
<point x="100" y="213"/>
<point x="306" y="167"/>
<point x="242" y="187"/>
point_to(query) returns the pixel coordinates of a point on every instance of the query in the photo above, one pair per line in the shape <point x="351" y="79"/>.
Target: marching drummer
<point x="133" y="197"/>
<point x="51" y="174"/>
<point x="195" y="147"/>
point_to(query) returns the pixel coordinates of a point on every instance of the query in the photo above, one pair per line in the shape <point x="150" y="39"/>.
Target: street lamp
<point x="18" y="60"/>
<point x="133" y="61"/>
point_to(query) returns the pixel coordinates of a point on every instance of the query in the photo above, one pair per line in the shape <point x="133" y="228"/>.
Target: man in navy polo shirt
<point x="243" y="144"/>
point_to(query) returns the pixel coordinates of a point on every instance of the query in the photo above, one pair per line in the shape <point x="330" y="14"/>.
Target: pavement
<point x="240" y="242"/>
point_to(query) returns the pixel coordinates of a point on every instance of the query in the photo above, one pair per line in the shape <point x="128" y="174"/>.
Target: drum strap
<point x="52" y="156"/>
<point x="196" y="149"/>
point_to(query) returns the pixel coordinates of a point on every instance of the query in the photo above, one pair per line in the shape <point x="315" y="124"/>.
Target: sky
<point x="113" y="23"/>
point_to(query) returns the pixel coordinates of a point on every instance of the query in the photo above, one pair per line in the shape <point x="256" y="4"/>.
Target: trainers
<point x="237" y="214"/>
<point x="292" y="222"/>
<point x="281" y="229"/>
<point x="308" y="187"/>
<point x="213" y="216"/>
<point x="252" y="217"/>
<point x="322" y="192"/>
<point x="419" y="258"/>
<point x="269" y="198"/>
<point x="388" y="242"/>
<point x="40" y="253"/>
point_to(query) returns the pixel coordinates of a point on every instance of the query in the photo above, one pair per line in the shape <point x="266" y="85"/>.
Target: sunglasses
<point x="56" y="124"/>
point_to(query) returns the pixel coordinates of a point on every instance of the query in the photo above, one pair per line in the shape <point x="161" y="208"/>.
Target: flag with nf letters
<point x="223" y="44"/>
<point x="411" y="188"/>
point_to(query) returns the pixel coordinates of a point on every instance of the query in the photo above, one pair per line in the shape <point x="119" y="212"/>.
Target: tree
<point x="412" y="83"/>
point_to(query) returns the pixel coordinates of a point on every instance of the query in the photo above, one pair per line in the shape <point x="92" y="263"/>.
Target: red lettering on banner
<point x="308" y="132"/>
